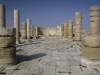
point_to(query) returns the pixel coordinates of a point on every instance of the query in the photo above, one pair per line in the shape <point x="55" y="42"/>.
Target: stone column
<point x="62" y="30"/>
<point x="78" y="27"/>
<point x="59" y="31"/>
<point x="70" y="30"/>
<point x="65" y="30"/>
<point x="28" y="30"/>
<point x="91" y="43"/>
<point x="7" y="46"/>
<point x="24" y="31"/>
<point x="16" y="24"/>
<point x="2" y="16"/>
<point x="32" y="31"/>
<point x="36" y="31"/>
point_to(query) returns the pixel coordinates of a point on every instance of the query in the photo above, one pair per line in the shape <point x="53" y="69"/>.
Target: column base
<point x="17" y="42"/>
<point x="90" y="63"/>
<point x="28" y="41"/>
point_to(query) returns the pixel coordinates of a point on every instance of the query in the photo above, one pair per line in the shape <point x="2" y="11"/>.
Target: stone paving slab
<point x="49" y="57"/>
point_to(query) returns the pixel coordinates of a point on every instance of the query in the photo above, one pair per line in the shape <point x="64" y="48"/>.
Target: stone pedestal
<point x="7" y="46"/>
<point x="70" y="30"/>
<point x="16" y="25"/>
<point x="91" y="43"/>
<point x="65" y="30"/>
<point x="2" y="16"/>
<point x="28" y="30"/>
<point x="78" y="27"/>
<point x="24" y="31"/>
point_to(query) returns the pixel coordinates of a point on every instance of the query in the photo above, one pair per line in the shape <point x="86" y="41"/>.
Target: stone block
<point x="94" y="13"/>
<point x="7" y="56"/>
<point x="91" y="41"/>
<point x="94" y="19"/>
<point x="7" y="41"/>
<point x="77" y="38"/>
<point x="7" y="32"/>
<point x="78" y="30"/>
<point x="91" y="53"/>
<point x="78" y="22"/>
<point x="78" y="26"/>
<point x="78" y="14"/>
<point x="95" y="8"/>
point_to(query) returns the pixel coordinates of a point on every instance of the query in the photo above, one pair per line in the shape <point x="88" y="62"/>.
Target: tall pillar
<point x="16" y="24"/>
<point x="2" y="16"/>
<point x="78" y="27"/>
<point x="62" y="30"/>
<point x="28" y="30"/>
<point x="36" y="31"/>
<point x="32" y="31"/>
<point x="24" y="31"/>
<point x="70" y="30"/>
<point x="91" y="43"/>
<point x="7" y="42"/>
<point x="65" y="29"/>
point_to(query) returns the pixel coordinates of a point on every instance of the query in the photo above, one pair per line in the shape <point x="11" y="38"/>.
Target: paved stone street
<point x="49" y="57"/>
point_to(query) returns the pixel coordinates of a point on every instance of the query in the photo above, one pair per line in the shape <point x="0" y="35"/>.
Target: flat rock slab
<point x="49" y="57"/>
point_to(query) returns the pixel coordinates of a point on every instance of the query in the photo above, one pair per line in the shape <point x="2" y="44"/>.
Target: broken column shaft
<point x="65" y="29"/>
<point x="28" y="30"/>
<point x="16" y="24"/>
<point x="2" y="16"/>
<point x="78" y="27"/>
<point x="91" y="43"/>
<point x="70" y="30"/>
<point x="24" y="31"/>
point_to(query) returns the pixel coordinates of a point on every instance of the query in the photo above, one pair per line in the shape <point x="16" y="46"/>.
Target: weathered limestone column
<point x="91" y="43"/>
<point x="32" y="31"/>
<point x="7" y="46"/>
<point x="62" y="30"/>
<point x="2" y="16"/>
<point x="70" y="30"/>
<point x="78" y="27"/>
<point x="65" y="30"/>
<point x="24" y="31"/>
<point x="59" y="31"/>
<point x="28" y="30"/>
<point x="16" y="24"/>
<point x="36" y="31"/>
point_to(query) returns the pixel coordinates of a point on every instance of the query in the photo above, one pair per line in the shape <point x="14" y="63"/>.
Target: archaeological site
<point x="67" y="49"/>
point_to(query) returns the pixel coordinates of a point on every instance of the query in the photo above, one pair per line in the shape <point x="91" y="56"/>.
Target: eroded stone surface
<point x="7" y="32"/>
<point x="49" y="57"/>
<point x="7" y="41"/>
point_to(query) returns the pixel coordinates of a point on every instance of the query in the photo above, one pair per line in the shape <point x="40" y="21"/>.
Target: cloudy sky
<point x="48" y="13"/>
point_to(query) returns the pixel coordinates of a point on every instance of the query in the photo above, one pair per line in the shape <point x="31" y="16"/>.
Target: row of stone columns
<point x="67" y="30"/>
<point x="9" y="37"/>
<point x="7" y="40"/>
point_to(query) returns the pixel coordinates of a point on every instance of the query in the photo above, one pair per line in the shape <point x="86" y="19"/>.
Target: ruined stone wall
<point x="49" y="31"/>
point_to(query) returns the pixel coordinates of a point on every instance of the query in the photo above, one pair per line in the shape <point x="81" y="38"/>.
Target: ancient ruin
<point x="65" y="30"/>
<point x="50" y="50"/>
<point x="91" y="43"/>
<point x="7" y="41"/>
<point x="70" y="30"/>
<point x="16" y="24"/>
<point x="2" y="16"/>
<point x="78" y="27"/>
<point x="28" y="30"/>
<point x="24" y="31"/>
